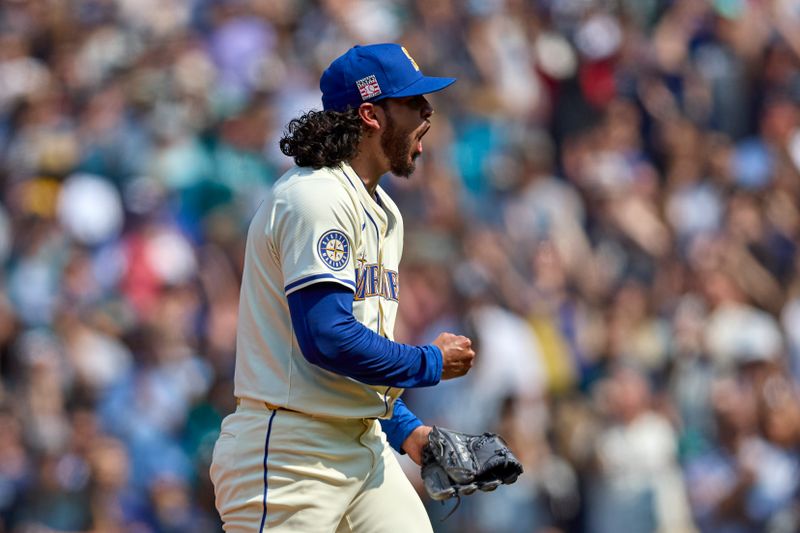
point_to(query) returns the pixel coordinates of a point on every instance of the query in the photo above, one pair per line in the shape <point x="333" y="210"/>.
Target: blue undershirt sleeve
<point x="330" y="337"/>
<point x="400" y="426"/>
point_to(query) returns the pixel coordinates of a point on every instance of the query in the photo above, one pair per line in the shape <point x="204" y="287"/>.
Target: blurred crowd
<point x="608" y="204"/>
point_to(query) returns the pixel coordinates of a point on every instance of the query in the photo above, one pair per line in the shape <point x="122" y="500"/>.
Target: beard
<point x="396" y="146"/>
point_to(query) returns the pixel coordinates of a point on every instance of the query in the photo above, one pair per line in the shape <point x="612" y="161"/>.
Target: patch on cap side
<point x="368" y="87"/>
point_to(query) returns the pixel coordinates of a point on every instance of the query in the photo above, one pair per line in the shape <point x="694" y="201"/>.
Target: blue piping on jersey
<point x="306" y="279"/>
<point x="377" y="234"/>
<point x="353" y="185"/>
<point x="266" y="454"/>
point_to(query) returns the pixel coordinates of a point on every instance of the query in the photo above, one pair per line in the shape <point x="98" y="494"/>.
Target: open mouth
<point x="420" y="136"/>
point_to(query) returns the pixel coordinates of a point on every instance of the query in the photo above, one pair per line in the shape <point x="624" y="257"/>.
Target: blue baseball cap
<point x="373" y="72"/>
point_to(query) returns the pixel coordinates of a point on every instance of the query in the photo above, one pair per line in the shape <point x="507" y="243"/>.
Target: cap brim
<point x="424" y="85"/>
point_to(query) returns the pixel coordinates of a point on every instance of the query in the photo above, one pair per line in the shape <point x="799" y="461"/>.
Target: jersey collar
<point x="355" y="181"/>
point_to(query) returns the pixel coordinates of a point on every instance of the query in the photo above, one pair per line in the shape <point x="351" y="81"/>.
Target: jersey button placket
<point x="381" y="321"/>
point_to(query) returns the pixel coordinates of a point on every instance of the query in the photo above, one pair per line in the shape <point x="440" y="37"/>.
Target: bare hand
<point x="415" y="441"/>
<point x="457" y="354"/>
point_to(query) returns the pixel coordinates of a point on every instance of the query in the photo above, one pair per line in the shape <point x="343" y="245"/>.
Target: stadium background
<point x="608" y="204"/>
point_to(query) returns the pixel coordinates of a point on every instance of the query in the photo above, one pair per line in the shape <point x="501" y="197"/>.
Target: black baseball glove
<point x="455" y="463"/>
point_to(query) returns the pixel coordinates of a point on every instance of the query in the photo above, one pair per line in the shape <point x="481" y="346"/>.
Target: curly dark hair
<point x="319" y="139"/>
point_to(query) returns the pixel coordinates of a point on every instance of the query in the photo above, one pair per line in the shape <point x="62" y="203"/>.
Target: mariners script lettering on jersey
<point x="375" y="280"/>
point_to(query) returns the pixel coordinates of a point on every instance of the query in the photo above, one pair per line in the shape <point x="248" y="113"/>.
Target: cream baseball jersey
<point x="316" y="226"/>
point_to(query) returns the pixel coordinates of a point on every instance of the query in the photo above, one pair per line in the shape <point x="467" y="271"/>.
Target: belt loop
<point x="247" y="402"/>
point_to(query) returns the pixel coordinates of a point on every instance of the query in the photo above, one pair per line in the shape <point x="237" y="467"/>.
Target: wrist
<point x="412" y="434"/>
<point x="416" y="441"/>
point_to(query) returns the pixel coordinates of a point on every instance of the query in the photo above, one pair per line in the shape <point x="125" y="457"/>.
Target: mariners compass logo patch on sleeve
<point x="334" y="249"/>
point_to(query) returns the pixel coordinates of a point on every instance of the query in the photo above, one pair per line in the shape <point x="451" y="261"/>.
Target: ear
<point x="371" y="115"/>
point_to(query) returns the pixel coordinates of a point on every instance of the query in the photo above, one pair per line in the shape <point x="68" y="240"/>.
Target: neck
<point x="368" y="168"/>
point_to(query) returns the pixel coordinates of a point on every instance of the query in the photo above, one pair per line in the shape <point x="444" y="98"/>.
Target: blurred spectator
<point x="638" y="485"/>
<point x="750" y="481"/>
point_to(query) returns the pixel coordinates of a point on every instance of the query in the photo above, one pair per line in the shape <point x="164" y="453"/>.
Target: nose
<point x="427" y="109"/>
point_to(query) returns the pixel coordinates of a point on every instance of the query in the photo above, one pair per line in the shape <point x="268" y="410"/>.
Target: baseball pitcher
<point x="318" y="375"/>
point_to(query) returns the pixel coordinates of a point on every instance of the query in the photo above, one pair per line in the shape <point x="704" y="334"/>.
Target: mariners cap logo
<point x="334" y="249"/>
<point x="368" y="87"/>
<point x="416" y="67"/>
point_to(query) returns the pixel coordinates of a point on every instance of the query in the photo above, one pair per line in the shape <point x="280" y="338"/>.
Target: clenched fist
<point x="457" y="354"/>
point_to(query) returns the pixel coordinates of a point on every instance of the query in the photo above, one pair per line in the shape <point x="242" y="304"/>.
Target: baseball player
<point x="318" y="376"/>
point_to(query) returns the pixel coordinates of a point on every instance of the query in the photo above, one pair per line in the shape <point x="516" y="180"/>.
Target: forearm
<point x="330" y="337"/>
